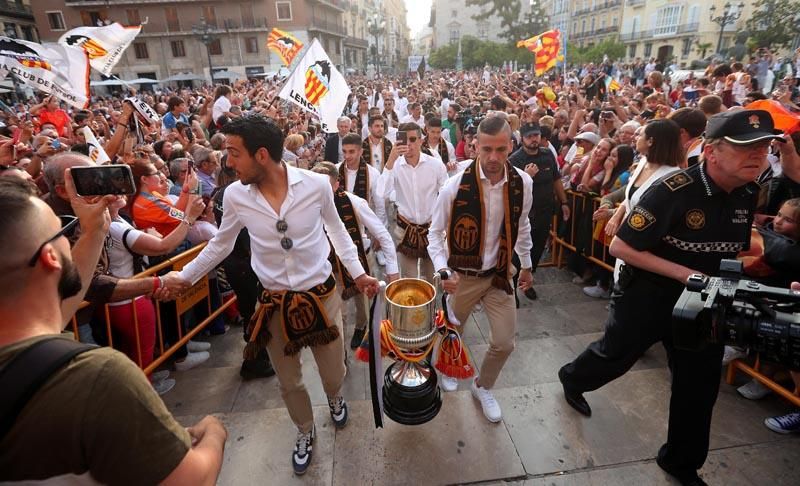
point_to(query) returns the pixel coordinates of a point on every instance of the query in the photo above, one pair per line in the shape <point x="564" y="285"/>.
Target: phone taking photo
<point x="402" y="138"/>
<point x="102" y="180"/>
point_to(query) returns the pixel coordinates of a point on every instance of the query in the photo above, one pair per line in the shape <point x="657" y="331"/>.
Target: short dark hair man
<point x="97" y="417"/>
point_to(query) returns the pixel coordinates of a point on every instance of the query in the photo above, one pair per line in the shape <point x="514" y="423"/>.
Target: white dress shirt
<point x="377" y="230"/>
<point x="410" y="119"/>
<point x="451" y="151"/>
<point x="416" y="188"/>
<point x="308" y="205"/>
<point x="377" y="202"/>
<point x="494" y="209"/>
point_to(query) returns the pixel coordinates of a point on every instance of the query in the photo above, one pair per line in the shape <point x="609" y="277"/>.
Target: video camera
<point x="737" y="312"/>
<point x="468" y="121"/>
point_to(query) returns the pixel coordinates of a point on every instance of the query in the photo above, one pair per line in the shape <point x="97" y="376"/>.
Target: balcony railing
<point x="599" y="6"/>
<point x="323" y="25"/>
<point x="223" y="26"/>
<point x="106" y="3"/>
<point x="653" y="33"/>
<point x="596" y="32"/>
<point x="340" y="5"/>
<point x="356" y="42"/>
<point x="635" y="3"/>
<point x="14" y="9"/>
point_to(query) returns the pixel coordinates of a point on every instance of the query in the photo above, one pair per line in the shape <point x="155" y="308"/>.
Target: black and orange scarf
<point x="465" y="234"/>
<point x="303" y="317"/>
<point x="361" y="186"/>
<point x="366" y="155"/>
<point x="415" y="238"/>
<point x="442" y="149"/>
<point x="348" y="216"/>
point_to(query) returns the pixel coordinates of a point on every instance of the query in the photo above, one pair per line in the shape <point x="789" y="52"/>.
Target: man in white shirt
<point x="416" y="178"/>
<point x="357" y="217"/>
<point x="480" y="219"/>
<point x="376" y="146"/>
<point x="333" y="146"/>
<point x="414" y="115"/>
<point x="284" y="210"/>
<point x="358" y="177"/>
<point x="436" y="146"/>
<point x="445" y="104"/>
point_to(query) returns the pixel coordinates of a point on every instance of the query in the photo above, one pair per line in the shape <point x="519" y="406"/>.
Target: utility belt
<point x="628" y="273"/>
<point x="303" y="318"/>
<point x="415" y="238"/>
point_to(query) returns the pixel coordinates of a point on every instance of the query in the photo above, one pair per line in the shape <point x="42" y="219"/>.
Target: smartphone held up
<point x="102" y="180"/>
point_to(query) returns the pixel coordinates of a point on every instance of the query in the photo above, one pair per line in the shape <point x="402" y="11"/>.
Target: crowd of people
<point x="412" y="161"/>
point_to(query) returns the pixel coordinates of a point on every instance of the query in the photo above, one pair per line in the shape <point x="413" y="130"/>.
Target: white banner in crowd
<point x="316" y="86"/>
<point x="62" y="71"/>
<point x="96" y="151"/>
<point x="104" y="45"/>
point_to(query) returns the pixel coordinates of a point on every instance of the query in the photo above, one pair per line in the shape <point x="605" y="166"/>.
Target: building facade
<point x="594" y="21"/>
<point x="452" y="19"/>
<point x="679" y="31"/>
<point x="17" y="19"/>
<point x="171" y="40"/>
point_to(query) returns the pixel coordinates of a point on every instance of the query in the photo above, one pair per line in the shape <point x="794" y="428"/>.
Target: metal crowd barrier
<point x="753" y="371"/>
<point x="183" y="304"/>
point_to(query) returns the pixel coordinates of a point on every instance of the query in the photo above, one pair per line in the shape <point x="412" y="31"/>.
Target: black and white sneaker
<point x="301" y="457"/>
<point x="338" y="408"/>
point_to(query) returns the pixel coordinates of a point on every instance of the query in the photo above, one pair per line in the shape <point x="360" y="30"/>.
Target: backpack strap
<point x="29" y="370"/>
<point x="138" y="260"/>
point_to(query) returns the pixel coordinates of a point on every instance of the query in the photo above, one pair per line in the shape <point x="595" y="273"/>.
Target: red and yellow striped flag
<point x="545" y="47"/>
<point x="285" y="45"/>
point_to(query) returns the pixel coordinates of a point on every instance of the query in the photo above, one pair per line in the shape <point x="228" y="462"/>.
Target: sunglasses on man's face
<point x="68" y="226"/>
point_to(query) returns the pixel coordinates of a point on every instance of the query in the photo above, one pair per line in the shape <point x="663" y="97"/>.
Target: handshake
<point x="172" y="286"/>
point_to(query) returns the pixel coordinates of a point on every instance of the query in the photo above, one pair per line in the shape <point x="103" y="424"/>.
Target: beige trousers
<point x="329" y="358"/>
<point x="360" y="301"/>
<point x="502" y="313"/>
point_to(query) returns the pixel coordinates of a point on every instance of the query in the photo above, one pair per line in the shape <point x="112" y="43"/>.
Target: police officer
<point x="539" y="163"/>
<point x="684" y="224"/>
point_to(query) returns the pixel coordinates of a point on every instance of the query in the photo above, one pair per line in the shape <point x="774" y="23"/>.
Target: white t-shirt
<point x="222" y="105"/>
<point x="120" y="261"/>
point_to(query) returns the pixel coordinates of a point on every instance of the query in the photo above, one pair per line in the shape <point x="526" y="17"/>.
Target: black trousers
<point x="540" y="229"/>
<point x="640" y="316"/>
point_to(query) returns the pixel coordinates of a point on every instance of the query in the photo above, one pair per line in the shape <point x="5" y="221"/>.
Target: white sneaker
<point x="597" y="292"/>
<point x="448" y="383"/>
<point x="491" y="409"/>
<point x="732" y="353"/>
<point x="159" y="375"/>
<point x="192" y="360"/>
<point x="381" y="258"/>
<point x="163" y="386"/>
<point x="753" y="390"/>
<point x="197" y="346"/>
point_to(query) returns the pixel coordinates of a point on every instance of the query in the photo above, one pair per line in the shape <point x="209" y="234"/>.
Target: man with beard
<point x="539" y="163"/>
<point x="450" y="127"/>
<point x="376" y="146"/>
<point x="71" y="412"/>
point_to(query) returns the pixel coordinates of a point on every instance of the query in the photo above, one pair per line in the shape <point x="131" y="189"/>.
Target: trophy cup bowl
<point x="411" y="395"/>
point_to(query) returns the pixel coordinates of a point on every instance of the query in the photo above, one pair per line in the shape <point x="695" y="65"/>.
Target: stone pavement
<point x="540" y="441"/>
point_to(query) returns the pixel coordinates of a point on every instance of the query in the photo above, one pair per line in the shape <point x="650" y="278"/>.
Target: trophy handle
<point x="437" y="285"/>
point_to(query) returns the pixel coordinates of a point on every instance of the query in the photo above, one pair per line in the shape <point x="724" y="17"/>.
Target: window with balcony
<point x="93" y="18"/>
<point x="178" y="49"/>
<point x="133" y="16"/>
<point x="592" y="29"/>
<point x="667" y="19"/>
<point x="210" y="14"/>
<point x="284" y="10"/>
<point x="215" y="47"/>
<point x="173" y="23"/>
<point x="454" y="13"/>
<point x="248" y="19"/>
<point x="140" y="50"/>
<point x="648" y="49"/>
<point x="632" y="51"/>
<point x="454" y="35"/>
<point x="56" y="21"/>
<point x="686" y="48"/>
<point x="251" y="45"/>
<point x="583" y="26"/>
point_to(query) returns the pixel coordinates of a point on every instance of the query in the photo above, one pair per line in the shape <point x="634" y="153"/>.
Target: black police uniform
<point x="544" y="201"/>
<point x="687" y="219"/>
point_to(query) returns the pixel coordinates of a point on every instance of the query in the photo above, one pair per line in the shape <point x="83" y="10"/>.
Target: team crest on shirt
<point x="695" y="219"/>
<point x="465" y="234"/>
<point x="175" y="213"/>
<point x="640" y="219"/>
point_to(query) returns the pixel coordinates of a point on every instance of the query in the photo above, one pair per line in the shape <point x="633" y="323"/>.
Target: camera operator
<point x="684" y="224"/>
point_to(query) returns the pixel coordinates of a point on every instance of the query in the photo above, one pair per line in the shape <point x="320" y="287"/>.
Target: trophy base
<point x="411" y="394"/>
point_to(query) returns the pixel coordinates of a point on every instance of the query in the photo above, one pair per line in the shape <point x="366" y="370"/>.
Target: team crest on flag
<point x="104" y="45"/>
<point x="318" y="78"/>
<point x="285" y="45"/>
<point x="317" y="86"/>
<point x="25" y="55"/>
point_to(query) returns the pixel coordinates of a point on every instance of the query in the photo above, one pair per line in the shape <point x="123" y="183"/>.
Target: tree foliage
<point x="516" y="25"/>
<point x="476" y="53"/>
<point x="611" y="48"/>
<point x="772" y="23"/>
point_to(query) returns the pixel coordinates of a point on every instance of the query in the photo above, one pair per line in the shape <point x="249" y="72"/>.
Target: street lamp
<point x="729" y="16"/>
<point x="203" y="32"/>
<point x="377" y="27"/>
<point x="11" y="32"/>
